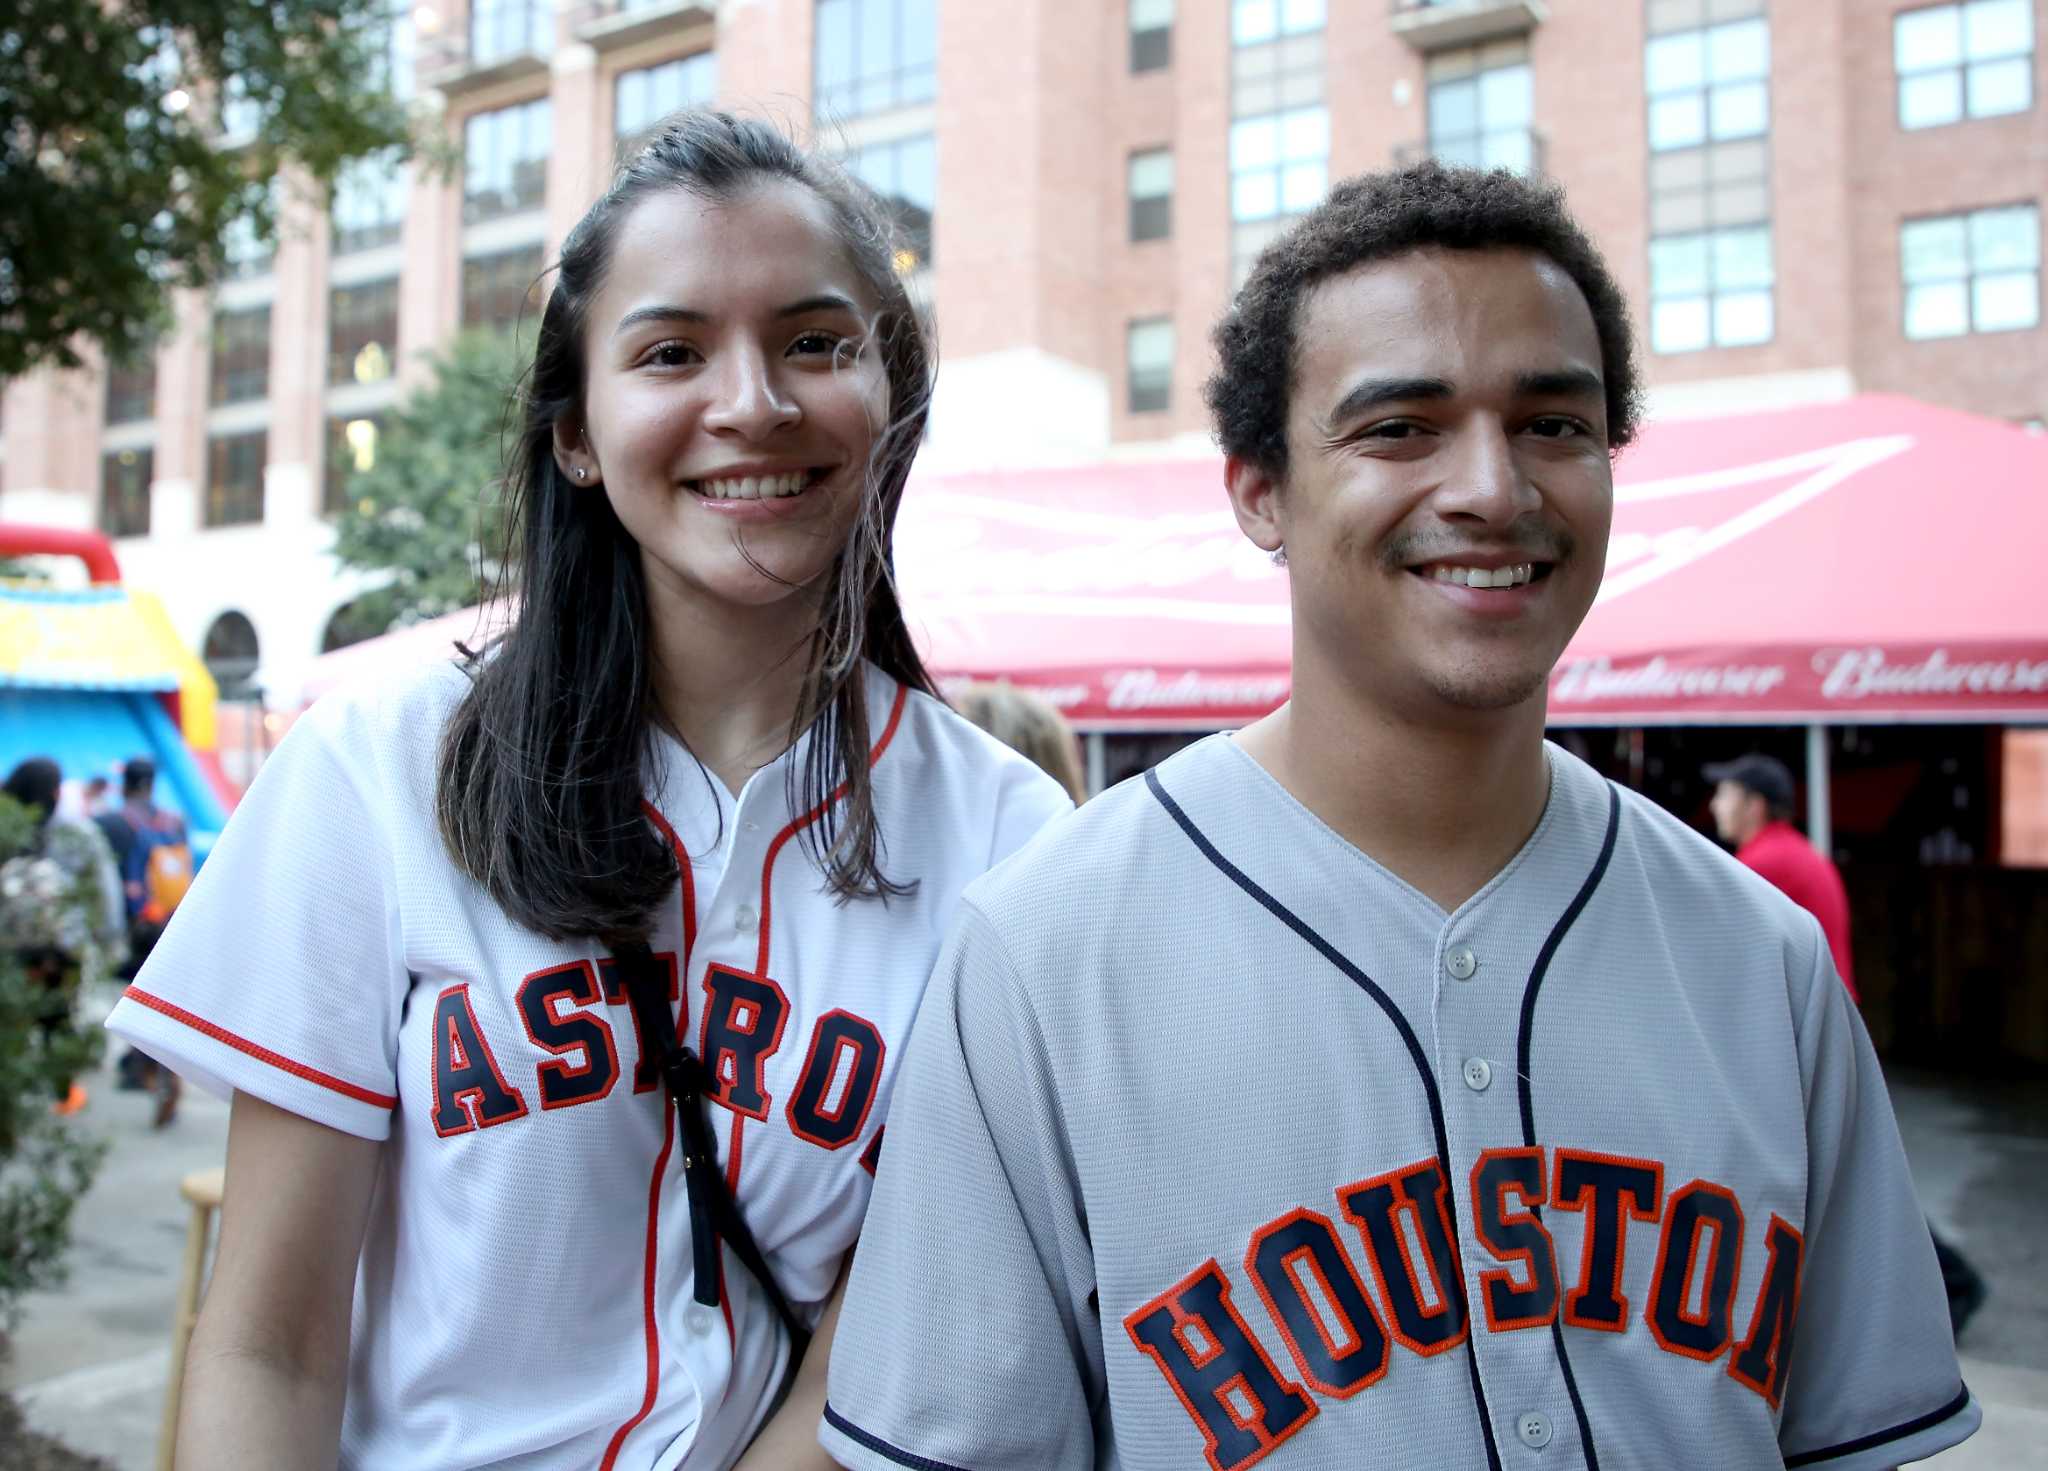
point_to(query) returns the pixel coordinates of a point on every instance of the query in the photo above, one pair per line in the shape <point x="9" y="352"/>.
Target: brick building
<point x="1803" y="198"/>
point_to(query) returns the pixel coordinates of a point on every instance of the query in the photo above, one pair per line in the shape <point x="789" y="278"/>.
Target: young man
<point x="1378" y="1086"/>
<point x="1752" y="807"/>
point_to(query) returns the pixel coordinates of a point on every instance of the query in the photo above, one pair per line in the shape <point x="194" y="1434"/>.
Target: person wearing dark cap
<point x="1752" y="809"/>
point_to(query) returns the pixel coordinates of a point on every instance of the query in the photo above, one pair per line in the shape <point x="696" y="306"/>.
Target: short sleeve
<point x="281" y="974"/>
<point x="967" y="1334"/>
<point x="1873" y="1380"/>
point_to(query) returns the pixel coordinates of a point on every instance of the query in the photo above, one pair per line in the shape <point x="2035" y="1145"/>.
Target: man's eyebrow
<point x="1561" y="383"/>
<point x="1371" y="393"/>
<point x="824" y="301"/>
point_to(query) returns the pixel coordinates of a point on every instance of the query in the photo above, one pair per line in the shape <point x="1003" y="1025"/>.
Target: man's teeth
<point x="1513" y="576"/>
<point x="754" y="487"/>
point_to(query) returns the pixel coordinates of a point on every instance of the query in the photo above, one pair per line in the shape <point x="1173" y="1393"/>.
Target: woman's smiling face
<point x="732" y="393"/>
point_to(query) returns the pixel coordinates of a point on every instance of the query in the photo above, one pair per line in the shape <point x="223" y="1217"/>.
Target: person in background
<point x="132" y="830"/>
<point x="77" y="927"/>
<point x="1752" y="806"/>
<point x="1028" y="724"/>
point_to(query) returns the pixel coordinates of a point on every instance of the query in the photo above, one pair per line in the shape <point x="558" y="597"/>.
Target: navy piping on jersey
<point x="1366" y="984"/>
<point x="882" y="1447"/>
<point x="1885" y="1437"/>
<point x="1522" y="1066"/>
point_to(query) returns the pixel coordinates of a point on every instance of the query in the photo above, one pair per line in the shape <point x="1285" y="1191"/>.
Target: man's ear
<point x="573" y="454"/>
<point x="1255" y="500"/>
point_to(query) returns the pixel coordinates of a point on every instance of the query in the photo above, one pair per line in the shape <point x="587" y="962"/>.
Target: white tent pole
<point x="1819" y="809"/>
<point x="1098" y="761"/>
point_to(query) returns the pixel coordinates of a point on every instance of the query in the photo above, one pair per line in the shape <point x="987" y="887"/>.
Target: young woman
<point x="459" y="1220"/>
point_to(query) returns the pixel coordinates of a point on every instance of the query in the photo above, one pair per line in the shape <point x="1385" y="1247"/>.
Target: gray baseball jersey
<point x="1216" y="1143"/>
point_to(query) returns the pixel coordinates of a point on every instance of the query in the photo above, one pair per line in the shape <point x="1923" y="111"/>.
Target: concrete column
<point x="764" y="59"/>
<point x="181" y="378"/>
<point x="298" y="355"/>
<point x="430" y="285"/>
<point x="580" y="163"/>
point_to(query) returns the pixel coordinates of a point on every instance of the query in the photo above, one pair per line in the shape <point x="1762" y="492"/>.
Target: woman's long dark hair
<point x="544" y="763"/>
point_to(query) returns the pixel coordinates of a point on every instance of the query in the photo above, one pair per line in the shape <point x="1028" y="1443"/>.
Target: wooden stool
<point x="203" y="1190"/>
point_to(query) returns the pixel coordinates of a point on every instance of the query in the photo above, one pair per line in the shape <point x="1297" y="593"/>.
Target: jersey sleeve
<point x="967" y="1337"/>
<point x="281" y="974"/>
<point x="1873" y="1380"/>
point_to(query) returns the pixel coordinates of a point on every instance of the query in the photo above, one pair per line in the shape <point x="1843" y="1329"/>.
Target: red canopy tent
<point x="1873" y="559"/>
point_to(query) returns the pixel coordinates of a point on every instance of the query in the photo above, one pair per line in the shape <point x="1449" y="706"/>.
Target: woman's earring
<point x="580" y="473"/>
<point x="1280" y="556"/>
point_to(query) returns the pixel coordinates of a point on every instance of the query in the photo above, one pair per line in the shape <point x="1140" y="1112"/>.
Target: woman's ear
<point x="573" y="453"/>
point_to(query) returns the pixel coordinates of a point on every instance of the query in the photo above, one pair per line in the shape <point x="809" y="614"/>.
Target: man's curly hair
<point x="1377" y="216"/>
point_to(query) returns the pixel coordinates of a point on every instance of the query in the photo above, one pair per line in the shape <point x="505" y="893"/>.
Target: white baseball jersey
<point x="525" y="1295"/>
<point x="1219" y="1144"/>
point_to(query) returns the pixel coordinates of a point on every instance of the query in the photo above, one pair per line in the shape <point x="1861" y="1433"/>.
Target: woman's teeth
<point x="1513" y="576"/>
<point x="755" y="487"/>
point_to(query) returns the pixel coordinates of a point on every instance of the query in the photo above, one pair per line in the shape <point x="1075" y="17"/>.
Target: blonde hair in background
<point x="1028" y="725"/>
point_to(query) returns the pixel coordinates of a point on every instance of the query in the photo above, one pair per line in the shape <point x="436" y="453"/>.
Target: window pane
<point x="1742" y="259"/>
<point x="1741" y="111"/>
<point x="124" y="492"/>
<point x="2008" y="302"/>
<point x="1937" y="311"/>
<point x="920" y="34"/>
<point x="1927" y="38"/>
<point x="1149" y="15"/>
<point x="369" y="204"/>
<point x="1511" y="150"/>
<point x="1742" y="320"/>
<point x="1465" y="152"/>
<point x="1934" y="250"/>
<point x="1931" y="99"/>
<point x="1302" y="186"/>
<point x="1305" y="135"/>
<point x="1454" y="109"/>
<point x="1254" y="143"/>
<point x="1678" y="266"/>
<point x="1679" y="325"/>
<point x="1678" y="122"/>
<point x="1152" y="344"/>
<point x="1255" y="196"/>
<point x="1151" y="174"/>
<point x="834" y="64"/>
<point x="1675" y="63"/>
<point x="1297" y="16"/>
<point x="1505" y="97"/>
<point x="1738" y="52"/>
<point x="2000" y="87"/>
<point x="2005" y="239"/>
<point x="1252" y="21"/>
<point x="1152" y="49"/>
<point x="917" y="171"/>
<point x="1994" y="28"/>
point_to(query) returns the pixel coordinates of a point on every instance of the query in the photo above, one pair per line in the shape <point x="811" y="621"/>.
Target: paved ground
<point x="89" y="1360"/>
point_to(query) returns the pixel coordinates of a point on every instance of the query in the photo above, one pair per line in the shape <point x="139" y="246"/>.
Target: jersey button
<point x="1461" y="962"/>
<point x="746" y="919"/>
<point x="1534" y="1428"/>
<point x="1477" y="1074"/>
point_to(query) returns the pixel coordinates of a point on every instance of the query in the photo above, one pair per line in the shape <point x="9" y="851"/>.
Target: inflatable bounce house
<point x="93" y="676"/>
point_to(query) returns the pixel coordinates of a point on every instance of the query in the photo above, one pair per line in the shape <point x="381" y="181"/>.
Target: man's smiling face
<point x="1448" y="491"/>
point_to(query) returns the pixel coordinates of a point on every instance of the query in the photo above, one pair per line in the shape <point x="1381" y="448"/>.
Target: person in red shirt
<point x="1752" y="809"/>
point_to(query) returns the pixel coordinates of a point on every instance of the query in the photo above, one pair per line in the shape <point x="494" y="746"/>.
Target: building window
<point x="241" y="355"/>
<point x="398" y="48"/>
<point x="503" y="28"/>
<point x="362" y="332"/>
<point x="497" y="290"/>
<point x="351" y="450"/>
<point x="505" y="160"/>
<point x="1708" y="83"/>
<point x="905" y="173"/>
<point x="874" y="55"/>
<point x="1711" y="289"/>
<point x="368" y="209"/>
<point x="124" y="491"/>
<point x="1148" y="354"/>
<point x="1151" y="35"/>
<point x="1280" y="127"/>
<point x="1481" y="106"/>
<point x="643" y="97"/>
<point x="1255" y="21"/>
<point x="1152" y="194"/>
<point x="1721" y="185"/>
<point x="1979" y="272"/>
<point x="1957" y="61"/>
<point x="131" y="387"/>
<point x="234" y="478"/>
<point x="231" y="655"/>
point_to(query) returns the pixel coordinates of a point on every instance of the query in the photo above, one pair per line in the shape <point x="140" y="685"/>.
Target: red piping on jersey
<point x="611" y="1452"/>
<point x="262" y="1054"/>
<point x="689" y="900"/>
